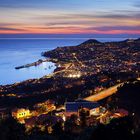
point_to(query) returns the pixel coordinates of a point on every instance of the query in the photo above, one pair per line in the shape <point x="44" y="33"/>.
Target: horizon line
<point x="63" y="37"/>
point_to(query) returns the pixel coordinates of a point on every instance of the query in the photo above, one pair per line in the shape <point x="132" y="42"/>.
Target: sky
<point x="98" y="17"/>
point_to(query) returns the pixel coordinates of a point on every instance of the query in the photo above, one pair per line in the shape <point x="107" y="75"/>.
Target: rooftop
<point x="74" y="106"/>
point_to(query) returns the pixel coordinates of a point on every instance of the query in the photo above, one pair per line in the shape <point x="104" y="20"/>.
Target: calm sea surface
<point x="16" y="52"/>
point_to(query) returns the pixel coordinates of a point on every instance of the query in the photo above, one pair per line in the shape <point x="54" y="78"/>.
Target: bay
<point x="19" y="51"/>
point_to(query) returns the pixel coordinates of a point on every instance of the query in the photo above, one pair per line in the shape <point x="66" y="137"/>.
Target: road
<point x="103" y="94"/>
<point x="67" y="69"/>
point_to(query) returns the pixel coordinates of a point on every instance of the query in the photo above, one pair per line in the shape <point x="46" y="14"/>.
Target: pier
<point x="33" y="64"/>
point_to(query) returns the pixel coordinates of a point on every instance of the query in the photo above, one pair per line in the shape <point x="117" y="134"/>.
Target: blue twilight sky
<point x="98" y="17"/>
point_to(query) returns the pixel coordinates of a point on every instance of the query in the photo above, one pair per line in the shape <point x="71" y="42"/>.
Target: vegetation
<point x="117" y="129"/>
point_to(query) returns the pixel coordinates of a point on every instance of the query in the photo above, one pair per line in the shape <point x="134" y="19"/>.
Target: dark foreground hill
<point x="128" y="97"/>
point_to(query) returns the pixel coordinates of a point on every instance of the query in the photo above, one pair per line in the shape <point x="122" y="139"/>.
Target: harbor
<point x="33" y="64"/>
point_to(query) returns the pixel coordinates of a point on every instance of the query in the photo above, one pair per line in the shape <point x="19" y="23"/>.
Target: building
<point x="43" y="121"/>
<point x="74" y="107"/>
<point x="21" y="113"/>
<point x="46" y="106"/>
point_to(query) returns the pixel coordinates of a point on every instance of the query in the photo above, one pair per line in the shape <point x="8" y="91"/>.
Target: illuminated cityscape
<point x="70" y="69"/>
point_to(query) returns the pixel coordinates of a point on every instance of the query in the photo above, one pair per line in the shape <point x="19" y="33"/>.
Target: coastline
<point x="57" y="56"/>
<point x="24" y="51"/>
<point x="60" y="84"/>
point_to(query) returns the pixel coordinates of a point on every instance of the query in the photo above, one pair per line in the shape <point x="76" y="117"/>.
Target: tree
<point x="83" y="117"/>
<point x="57" y="128"/>
<point x="10" y="129"/>
<point x="117" y="129"/>
<point x="71" y="123"/>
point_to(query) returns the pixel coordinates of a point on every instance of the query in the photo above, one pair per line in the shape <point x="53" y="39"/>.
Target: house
<point x="21" y="113"/>
<point x="46" y="106"/>
<point x="43" y="121"/>
<point x="74" y="107"/>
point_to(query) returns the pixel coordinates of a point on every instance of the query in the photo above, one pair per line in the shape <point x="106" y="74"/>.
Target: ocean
<point x="19" y="51"/>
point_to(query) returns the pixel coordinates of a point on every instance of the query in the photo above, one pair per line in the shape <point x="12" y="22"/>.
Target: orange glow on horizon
<point x="69" y="31"/>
